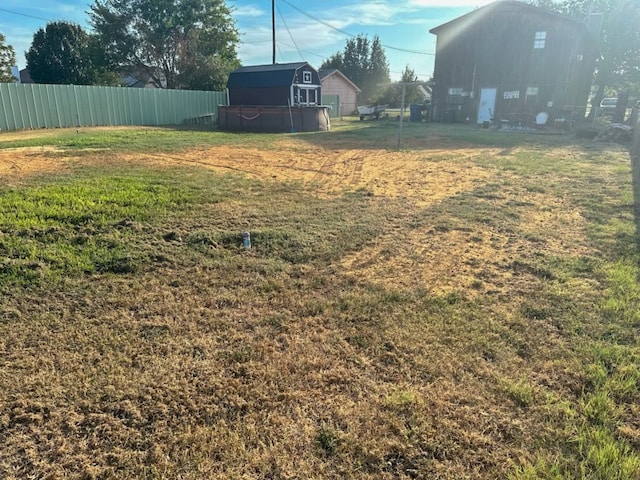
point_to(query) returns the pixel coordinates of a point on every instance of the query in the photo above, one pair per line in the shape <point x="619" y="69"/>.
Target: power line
<point x="24" y="14"/>
<point x="318" y="20"/>
<point x="417" y="52"/>
<point x="304" y="51"/>
<point x="289" y="32"/>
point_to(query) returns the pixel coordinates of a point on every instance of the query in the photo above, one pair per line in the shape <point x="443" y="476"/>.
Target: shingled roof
<point x="256" y="76"/>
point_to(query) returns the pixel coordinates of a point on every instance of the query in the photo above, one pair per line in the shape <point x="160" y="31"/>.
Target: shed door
<point x="487" y="104"/>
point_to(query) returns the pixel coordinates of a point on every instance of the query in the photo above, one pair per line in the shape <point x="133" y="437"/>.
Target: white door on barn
<point x="487" y="104"/>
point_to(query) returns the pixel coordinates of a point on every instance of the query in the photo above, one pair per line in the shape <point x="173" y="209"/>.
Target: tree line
<point x="178" y="44"/>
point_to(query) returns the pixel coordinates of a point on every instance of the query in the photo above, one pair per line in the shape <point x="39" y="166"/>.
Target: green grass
<point x="98" y="222"/>
<point x="82" y="224"/>
<point x="136" y="139"/>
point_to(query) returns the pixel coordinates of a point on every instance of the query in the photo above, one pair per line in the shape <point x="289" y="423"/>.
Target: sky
<point x="306" y="30"/>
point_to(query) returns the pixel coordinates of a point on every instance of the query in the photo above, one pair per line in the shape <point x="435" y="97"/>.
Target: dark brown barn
<point x="510" y="62"/>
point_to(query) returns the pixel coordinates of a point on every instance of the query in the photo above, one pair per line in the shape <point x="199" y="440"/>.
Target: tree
<point x="64" y="53"/>
<point x="393" y="94"/>
<point x="175" y="43"/>
<point x="57" y="55"/>
<point x="365" y="64"/>
<point x="103" y="69"/>
<point x="617" y="64"/>
<point x="7" y="60"/>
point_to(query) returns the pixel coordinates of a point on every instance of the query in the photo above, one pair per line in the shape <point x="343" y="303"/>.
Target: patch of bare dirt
<point x="422" y="177"/>
<point x="26" y="161"/>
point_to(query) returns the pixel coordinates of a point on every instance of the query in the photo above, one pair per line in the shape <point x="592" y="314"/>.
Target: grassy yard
<point x="465" y="307"/>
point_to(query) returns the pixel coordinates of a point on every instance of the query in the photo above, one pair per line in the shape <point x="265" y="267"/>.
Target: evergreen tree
<point x="64" y="53"/>
<point x="365" y="64"/>
<point x="57" y="55"/>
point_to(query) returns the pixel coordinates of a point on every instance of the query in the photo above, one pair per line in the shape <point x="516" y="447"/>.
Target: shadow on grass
<point x="383" y="135"/>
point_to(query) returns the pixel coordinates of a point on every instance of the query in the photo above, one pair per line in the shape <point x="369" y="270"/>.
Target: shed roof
<point x="274" y="75"/>
<point x="504" y="4"/>
<point x="334" y="71"/>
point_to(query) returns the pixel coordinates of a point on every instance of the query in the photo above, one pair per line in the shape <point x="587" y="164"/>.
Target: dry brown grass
<point x="412" y="353"/>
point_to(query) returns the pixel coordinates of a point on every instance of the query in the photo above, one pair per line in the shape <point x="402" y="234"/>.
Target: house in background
<point x="25" y="76"/>
<point x="139" y="78"/>
<point x="334" y="82"/>
<point x="511" y="60"/>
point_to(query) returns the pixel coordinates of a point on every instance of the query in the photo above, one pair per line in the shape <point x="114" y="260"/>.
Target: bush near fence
<point x="26" y="106"/>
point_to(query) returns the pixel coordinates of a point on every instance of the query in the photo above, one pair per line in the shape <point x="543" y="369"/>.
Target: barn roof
<point x="334" y="71"/>
<point x="503" y="4"/>
<point x="255" y="76"/>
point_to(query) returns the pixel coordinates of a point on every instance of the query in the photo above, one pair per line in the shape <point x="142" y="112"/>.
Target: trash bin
<point x="415" y="112"/>
<point x="446" y="116"/>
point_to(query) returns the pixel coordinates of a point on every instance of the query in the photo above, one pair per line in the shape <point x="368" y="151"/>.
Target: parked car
<point x="608" y="106"/>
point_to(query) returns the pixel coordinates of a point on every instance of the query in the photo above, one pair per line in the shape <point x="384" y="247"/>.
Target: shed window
<point x="306" y="95"/>
<point x="540" y="40"/>
<point x="306" y="77"/>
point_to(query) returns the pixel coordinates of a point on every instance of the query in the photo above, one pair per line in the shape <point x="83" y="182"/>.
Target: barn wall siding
<point x="28" y="106"/>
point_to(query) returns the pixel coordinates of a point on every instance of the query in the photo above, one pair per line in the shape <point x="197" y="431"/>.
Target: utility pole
<point x="273" y="28"/>
<point x="404" y="93"/>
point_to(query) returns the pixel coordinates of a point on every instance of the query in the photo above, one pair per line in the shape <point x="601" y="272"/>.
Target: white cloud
<point x="374" y="13"/>
<point x="248" y="11"/>
<point x="313" y="39"/>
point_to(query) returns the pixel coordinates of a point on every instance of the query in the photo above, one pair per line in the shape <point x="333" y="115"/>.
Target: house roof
<point x="275" y="75"/>
<point x="503" y="5"/>
<point x="334" y="71"/>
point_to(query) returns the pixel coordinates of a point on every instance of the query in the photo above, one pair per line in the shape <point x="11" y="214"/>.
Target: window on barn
<point x="540" y="40"/>
<point x="455" y="96"/>
<point x="306" y="77"/>
<point x="306" y="96"/>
